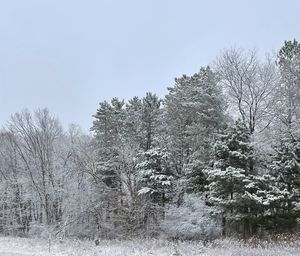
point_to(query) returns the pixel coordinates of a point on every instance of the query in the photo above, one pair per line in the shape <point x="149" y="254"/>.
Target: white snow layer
<point x="35" y="247"/>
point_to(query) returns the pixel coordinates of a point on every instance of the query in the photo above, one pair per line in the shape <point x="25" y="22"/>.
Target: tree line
<point x="219" y="155"/>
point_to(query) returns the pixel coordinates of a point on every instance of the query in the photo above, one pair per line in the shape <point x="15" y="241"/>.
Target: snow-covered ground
<point x="34" y="247"/>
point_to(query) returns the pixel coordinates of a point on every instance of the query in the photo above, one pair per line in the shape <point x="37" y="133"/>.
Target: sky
<point x="69" y="55"/>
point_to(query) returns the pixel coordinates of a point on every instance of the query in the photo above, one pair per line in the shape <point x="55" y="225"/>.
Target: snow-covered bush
<point x="38" y="230"/>
<point x="191" y="220"/>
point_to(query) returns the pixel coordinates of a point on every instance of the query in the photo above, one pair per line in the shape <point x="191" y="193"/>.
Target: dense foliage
<point x="220" y="154"/>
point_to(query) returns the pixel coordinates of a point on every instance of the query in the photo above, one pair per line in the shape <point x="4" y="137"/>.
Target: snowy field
<point x="33" y="247"/>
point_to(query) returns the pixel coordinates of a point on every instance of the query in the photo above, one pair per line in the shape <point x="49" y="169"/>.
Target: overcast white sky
<point x="68" y="55"/>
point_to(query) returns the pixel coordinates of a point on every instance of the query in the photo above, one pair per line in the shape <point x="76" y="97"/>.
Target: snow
<point x="144" y="191"/>
<point x="11" y="254"/>
<point x="191" y="220"/>
<point x="33" y="247"/>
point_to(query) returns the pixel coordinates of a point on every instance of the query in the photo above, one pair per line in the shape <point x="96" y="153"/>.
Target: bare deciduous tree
<point x="249" y="85"/>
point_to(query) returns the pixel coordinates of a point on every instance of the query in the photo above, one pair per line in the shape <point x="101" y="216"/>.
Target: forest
<point x="218" y="156"/>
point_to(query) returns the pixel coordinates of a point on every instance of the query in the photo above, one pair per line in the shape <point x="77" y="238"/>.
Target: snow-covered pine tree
<point x="283" y="196"/>
<point x="108" y="128"/>
<point x="288" y="100"/>
<point x="149" y="119"/>
<point x="232" y="181"/>
<point x="156" y="182"/>
<point x="140" y="133"/>
<point x="286" y="170"/>
<point x="194" y="113"/>
<point x="133" y="134"/>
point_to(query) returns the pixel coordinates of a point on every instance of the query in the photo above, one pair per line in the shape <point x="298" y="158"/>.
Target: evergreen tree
<point x="288" y="100"/>
<point x="150" y="114"/>
<point x="156" y="182"/>
<point x="155" y="176"/>
<point x="133" y="133"/>
<point x="194" y="112"/>
<point x="108" y="128"/>
<point x="286" y="170"/>
<point x="232" y="181"/>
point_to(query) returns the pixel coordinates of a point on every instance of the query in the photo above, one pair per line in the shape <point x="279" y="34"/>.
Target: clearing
<point x="36" y="247"/>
